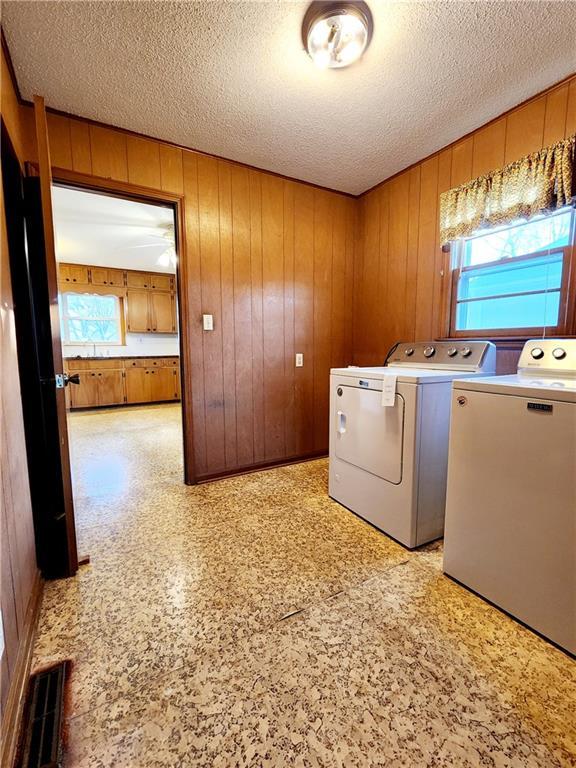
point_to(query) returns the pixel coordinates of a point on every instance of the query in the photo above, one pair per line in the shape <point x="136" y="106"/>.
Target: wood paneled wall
<point x="399" y="286"/>
<point x="273" y="261"/>
<point x="19" y="574"/>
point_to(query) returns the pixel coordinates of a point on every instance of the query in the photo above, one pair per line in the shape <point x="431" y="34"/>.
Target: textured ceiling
<point x="110" y="232"/>
<point x="231" y="78"/>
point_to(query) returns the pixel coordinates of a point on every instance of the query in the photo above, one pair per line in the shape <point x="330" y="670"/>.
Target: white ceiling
<point x="231" y="77"/>
<point x="109" y="231"/>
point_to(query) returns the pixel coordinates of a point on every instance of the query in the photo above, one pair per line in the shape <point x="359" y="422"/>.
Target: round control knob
<point x="559" y="353"/>
<point x="465" y="351"/>
<point x="429" y="351"/>
<point x="452" y="351"/>
<point x="409" y="352"/>
<point x="537" y="353"/>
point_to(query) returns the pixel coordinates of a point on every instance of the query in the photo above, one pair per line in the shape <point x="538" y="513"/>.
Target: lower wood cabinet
<point x="152" y="385"/>
<point x="140" y="380"/>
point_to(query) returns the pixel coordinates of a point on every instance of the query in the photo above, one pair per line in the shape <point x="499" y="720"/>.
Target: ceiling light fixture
<point x="336" y="34"/>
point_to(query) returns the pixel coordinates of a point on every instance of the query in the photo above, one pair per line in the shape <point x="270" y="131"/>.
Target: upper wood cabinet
<point x="118" y="278"/>
<point x="162" y="312"/>
<point x="73" y="273"/>
<point x="106" y="276"/>
<point x="150" y="280"/>
<point x="150" y="311"/>
<point x="138" y="311"/>
<point x="161" y="282"/>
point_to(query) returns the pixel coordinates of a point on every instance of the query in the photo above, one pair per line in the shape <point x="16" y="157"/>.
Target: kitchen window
<point x="90" y="318"/>
<point x="514" y="280"/>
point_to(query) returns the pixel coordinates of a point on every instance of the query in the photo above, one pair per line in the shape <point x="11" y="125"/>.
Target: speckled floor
<point x="254" y="622"/>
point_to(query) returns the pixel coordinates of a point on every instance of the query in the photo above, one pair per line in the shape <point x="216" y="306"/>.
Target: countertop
<point x="117" y="357"/>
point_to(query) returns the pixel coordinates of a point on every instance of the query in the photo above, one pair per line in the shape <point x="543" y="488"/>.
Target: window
<point x="90" y="319"/>
<point x="514" y="280"/>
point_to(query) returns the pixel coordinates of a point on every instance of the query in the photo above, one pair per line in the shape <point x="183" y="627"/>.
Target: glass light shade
<point x="338" y="39"/>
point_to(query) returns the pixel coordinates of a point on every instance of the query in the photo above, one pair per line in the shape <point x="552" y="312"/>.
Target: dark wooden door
<point x="52" y="368"/>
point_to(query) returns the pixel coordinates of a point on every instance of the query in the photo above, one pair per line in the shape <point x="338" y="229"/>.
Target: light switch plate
<point x="299" y="360"/>
<point x="208" y="322"/>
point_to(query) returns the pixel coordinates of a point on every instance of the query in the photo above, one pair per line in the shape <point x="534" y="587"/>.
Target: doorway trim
<point x="137" y="193"/>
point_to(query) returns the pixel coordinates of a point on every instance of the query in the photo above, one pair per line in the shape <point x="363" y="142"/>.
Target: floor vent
<point x="42" y="726"/>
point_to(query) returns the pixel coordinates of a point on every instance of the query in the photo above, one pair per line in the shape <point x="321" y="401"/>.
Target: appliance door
<point x="511" y="507"/>
<point x="368" y="434"/>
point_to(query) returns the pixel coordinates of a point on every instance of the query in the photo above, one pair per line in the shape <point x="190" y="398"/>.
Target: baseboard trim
<point x="17" y="694"/>
<point x="210" y="477"/>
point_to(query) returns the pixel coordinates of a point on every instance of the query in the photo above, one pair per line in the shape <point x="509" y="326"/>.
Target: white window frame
<point x="64" y="319"/>
<point x="566" y="320"/>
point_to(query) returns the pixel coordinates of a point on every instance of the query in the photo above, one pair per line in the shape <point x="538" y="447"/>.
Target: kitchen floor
<point x="255" y="622"/>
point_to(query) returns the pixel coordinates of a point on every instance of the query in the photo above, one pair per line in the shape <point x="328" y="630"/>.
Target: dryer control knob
<point x="559" y="353"/>
<point x="466" y="351"/>
<point x="429" y="351"/>
<point x="452" y="351"/>
<point x="408" y="352"/>
<point x="537" y="353"/>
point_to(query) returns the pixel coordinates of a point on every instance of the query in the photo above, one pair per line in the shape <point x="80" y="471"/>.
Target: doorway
<point x="117" y="265"/>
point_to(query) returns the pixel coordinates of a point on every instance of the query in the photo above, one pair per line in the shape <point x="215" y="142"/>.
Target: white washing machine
<point x="511" y="500"/>
<point x="389" y="435"/>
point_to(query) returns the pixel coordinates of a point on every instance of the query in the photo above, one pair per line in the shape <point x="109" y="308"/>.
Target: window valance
<point x="538" y="183"/>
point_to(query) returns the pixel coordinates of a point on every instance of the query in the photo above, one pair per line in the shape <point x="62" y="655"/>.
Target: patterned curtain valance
<point x="537" y="183"/>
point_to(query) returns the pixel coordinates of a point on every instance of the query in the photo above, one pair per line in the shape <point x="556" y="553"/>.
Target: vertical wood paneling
<point x="228" y="334"/>
<point x="323" y="223"/>
<point x="440" y="275"/>
<point x="273" y="315"/>
<point x="109" y="154"/>
<point x="555" y="116"/>
<point x="289" y="351"/>
<point x="193" y="289"/>
<point x="143" y="162"/>
<point x="462" y="162"/>
<point x="242" y="314"/>
<point x="304" y="316"/>
<point x="382" y="277"/>
<point x="171" y="169"/>
<point x="208" y="214"/>
<point x="571" y="109"/>
<point x="426" y="246"/>
<point x="338" y="294"/>
<point x="257" y="315"/>
<point x="60" y="144"/>
<point x="525" y="130"/>
<point x="489" y="148"/>
<point x="349" y="299"/>
<point x="412" y="256"/>
<point x="399" y="202"/>
<point x="81" y="150"/>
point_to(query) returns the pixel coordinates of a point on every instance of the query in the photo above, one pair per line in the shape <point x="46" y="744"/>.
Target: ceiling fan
<point x="167" y="257"/>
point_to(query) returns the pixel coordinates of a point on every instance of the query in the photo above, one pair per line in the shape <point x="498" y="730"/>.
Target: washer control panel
<point x="557" y="356"/>
<point x="449" y="355"/>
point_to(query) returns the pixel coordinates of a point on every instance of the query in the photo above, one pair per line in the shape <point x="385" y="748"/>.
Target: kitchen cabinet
<point x="106" y="276"/>
<point x="152" y="385"/>
<point x="97" y="388"/>
<point x="149" y="297"/>
<point x="164" y="384"/>
<point x="116" y="381"/>
<point x="159" y="281"/>
<point x="150" y="311"/>
<point x="162" y="312"/>
<point x="73" y="273"/>
<point x="138" y="385"/>
<point x="138" y="311"/>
